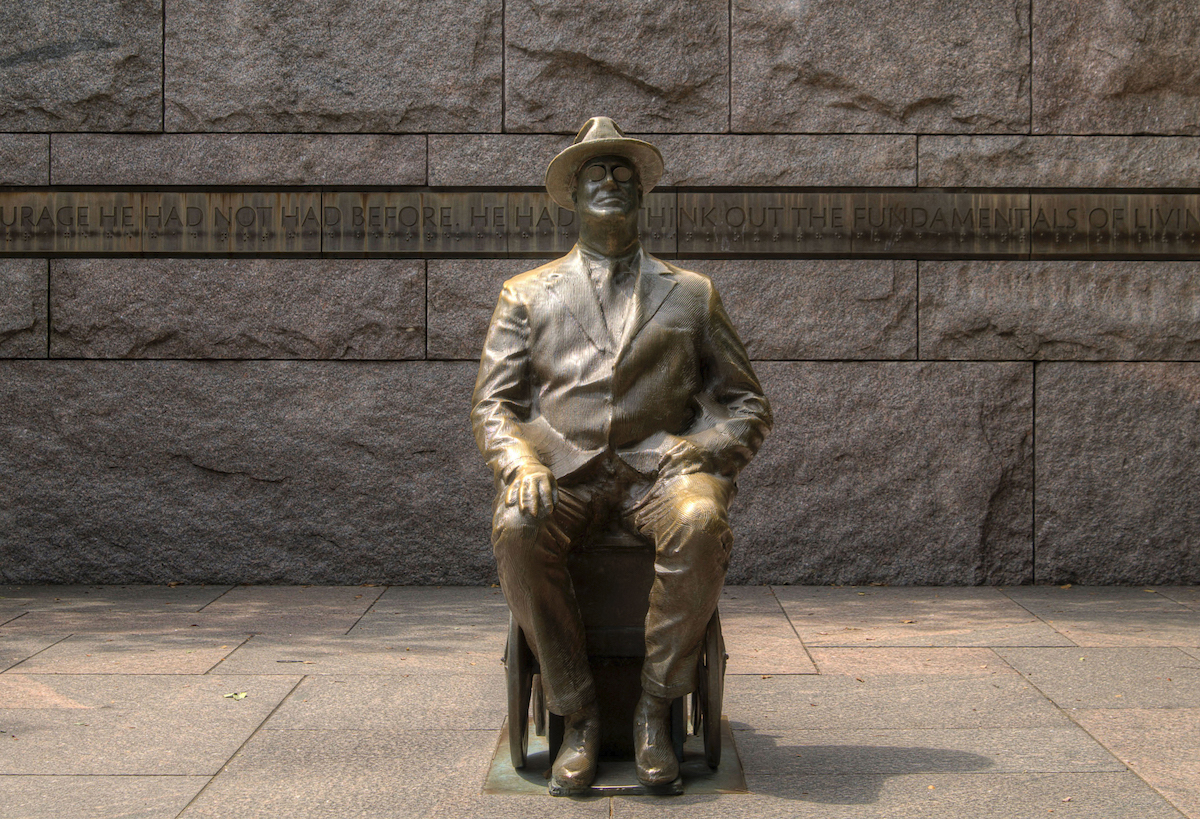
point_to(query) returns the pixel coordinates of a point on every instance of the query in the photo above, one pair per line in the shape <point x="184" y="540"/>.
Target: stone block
<point x="1049" y="310"/>
<point x="788" y="159"/>
<point x="248" y="308"/>
<point x="1059" y="161"/>
<point x="1121" y="67"/>
<point x="462" y="296"/>
<point x="879" y="66"/>
<point x="71" y="66"/>
<point x="654" y="67"/>
<point x="819" y="309"/>
<point x="24" y="159"/>
<point x="282" y="65"/>
<point x="273" y="472"/>
<point x="1117" y="469"/>
<point x="492" y="159"/>
<point x="897" y="473"/>
<point x="23" y="308"/>
<point x="794" y="309"/>
<point x="238" y="159"/>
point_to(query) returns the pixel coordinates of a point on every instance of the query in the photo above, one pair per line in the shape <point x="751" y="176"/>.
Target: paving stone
<point x="759" y="638"/>
<point x="876" y="67"/>
<point x="1118" y="677"/>
<point x="905" y="474"/>
<point x="1111" y="616"/>
<point x="23" y="308"/>
<point x="17" y="648"/>
<point x="81" y="66"/>
<point x="1059" y="161"/>
<point x="1063" y="748"/>
<point x="788" y="159"/>
<point x="1161" y="745"/>
<point x="371" y="652"/>
<point x="160" y="471"/>
<point x="309" y="774"/>
<point x="86" y="797"/>
<point x="565" y="63"/>
<point x="150" y="624"/>
<point x="109" y="598"/>
<point x="307" y="601"/>
<point x="1184" y="595"/>
<point x="928" y="796"/>
<point x="1116" y="463"/>
<point x="427" y="66"/>
<point x="1126" y="67"/>
<point x="238" y="159"/>
<point x="984" y="699"/>
<point x="264" y="308"/>
<point x="24" y="159"/>
<point x="820" y="309"/>
<point x="130" y="725"/>
<point x="462" y="296"/>
<point x="1073" y="310"/>
<point x="875" y="616"/>
<point x="121" y="654"/>
<point x="434" y="702"/>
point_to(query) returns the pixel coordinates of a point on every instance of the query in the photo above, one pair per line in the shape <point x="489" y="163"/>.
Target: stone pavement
<point x="387" y="702"/>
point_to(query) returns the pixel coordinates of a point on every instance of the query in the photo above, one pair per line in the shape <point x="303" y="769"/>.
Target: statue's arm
<point x="736" y="413"/>
<point x="502" y="401"/>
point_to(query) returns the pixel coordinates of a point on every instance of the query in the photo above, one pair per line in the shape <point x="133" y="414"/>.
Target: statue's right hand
<point x="533" y="490"/>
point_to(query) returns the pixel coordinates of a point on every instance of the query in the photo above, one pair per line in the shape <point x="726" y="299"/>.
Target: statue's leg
<point x="531" y="556"/>
<point x="687" y="518"/>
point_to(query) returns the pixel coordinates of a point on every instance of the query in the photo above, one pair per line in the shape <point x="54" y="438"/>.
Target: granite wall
<point x="304" y="420"/>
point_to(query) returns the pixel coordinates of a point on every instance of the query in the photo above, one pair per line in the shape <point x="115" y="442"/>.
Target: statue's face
<point x="607" y="187"/>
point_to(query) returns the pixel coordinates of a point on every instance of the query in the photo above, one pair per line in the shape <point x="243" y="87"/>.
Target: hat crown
<point x="598" y="128"/>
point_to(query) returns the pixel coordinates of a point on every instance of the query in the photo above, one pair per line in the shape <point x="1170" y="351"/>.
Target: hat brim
<point x="644" y="156"/>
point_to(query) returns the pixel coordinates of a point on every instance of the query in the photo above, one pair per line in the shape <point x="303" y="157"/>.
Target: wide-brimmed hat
<point x="600" y="136"/>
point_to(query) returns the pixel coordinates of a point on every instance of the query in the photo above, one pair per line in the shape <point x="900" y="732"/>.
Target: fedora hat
<point x="600" y="136"/>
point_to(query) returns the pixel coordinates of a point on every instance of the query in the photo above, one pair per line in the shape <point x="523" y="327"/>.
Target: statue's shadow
<point x="839" y="774"/>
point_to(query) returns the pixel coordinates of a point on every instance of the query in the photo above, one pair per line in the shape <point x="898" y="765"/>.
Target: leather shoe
<point x="652" y="745"/>
<point x="575" y="766"/>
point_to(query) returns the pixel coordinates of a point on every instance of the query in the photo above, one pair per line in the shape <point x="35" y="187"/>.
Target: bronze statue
<point x="613" y="384"/>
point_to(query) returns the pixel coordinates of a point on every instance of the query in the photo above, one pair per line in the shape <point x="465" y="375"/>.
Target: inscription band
<point x="685" y="223"/>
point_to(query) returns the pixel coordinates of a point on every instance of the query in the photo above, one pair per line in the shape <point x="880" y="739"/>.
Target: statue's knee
<point x="510" y="522"/>
<point x="702" y="515"/>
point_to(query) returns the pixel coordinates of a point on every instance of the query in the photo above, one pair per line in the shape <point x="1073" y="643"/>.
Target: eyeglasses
<point x="597" y="172"/>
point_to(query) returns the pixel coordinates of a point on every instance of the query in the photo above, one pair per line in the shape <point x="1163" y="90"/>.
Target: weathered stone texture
<point x="245" y="308"/>
<point x="1118" y="464"/>
<point x="23" y="308"/>
<point x="819" y="309"/>
<point x="462" y="296"/>
<point x="1050" y="161"/>
<point x="238" y="159"/>
<point x="492" y="159"/>
<point x="70" y="66"/>
<point x="306" y="65"/>
<point x="897" y="473"/>
<point x="922" y="66"/>
<point x="1060" y="310"/>
<point x="231" y="472"/>
<point x="24" y="159"/>
<point x="651" y="66"/>
<point x="1123" y="66"/>
<point x="787" y="159"/>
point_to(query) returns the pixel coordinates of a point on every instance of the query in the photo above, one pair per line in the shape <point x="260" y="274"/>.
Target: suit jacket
<point x="554" y="387"/>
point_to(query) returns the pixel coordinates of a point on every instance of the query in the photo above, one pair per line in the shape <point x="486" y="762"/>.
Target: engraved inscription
<point x="68" y="223"/>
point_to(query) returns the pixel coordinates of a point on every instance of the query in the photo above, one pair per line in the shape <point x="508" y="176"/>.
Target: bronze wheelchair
<point x="612" y="572"/>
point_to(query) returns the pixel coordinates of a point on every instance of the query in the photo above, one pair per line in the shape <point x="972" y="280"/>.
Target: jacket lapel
<point x="653" y="286"/>
<point x="572" y="287"/>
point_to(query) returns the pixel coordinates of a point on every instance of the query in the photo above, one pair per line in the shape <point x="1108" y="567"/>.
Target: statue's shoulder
<point x="693" y="283"/>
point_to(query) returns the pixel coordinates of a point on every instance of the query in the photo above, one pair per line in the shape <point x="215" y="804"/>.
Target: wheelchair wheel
<point x="710" y="692"/>
<point x="518" y="664"/>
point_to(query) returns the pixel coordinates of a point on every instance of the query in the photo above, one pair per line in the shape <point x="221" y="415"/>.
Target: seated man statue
<point x="613" y="385"/>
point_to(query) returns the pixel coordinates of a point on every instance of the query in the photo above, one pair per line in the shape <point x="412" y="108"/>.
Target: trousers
<point x="686" y="518"/>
